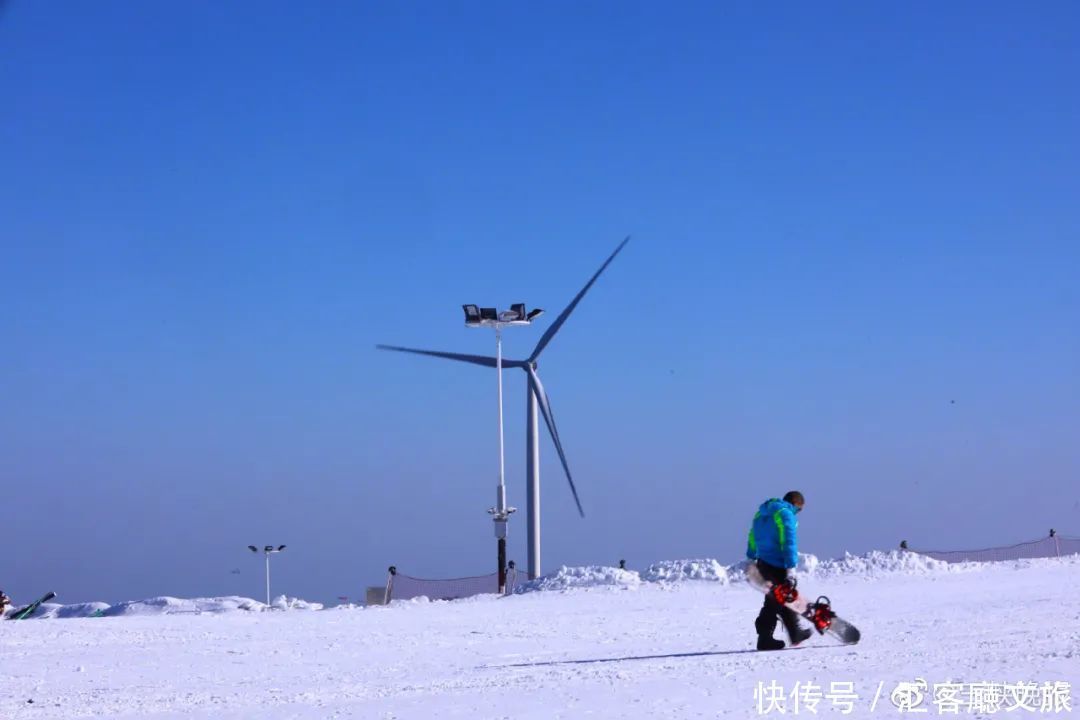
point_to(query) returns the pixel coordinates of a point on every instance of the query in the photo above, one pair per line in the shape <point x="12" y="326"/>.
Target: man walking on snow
<point x="773" y="544"/>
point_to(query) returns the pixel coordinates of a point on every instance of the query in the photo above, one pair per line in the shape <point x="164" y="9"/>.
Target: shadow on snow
<point x="667" y="656"/>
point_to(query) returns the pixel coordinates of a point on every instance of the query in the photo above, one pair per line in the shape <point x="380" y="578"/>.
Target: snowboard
<point x="819" y="612"/>
<point x="25" y="612"/>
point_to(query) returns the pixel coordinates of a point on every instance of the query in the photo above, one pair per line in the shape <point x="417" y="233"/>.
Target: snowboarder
<point x="773" y="545"/>
<point x="5" y="603"/>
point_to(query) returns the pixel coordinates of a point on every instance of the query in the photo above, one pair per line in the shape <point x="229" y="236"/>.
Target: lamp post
<point x="267" y="551"/>
<point x="492" y="318"/>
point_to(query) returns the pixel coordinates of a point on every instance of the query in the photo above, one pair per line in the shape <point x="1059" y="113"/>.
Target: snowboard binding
<point x="785" y="592"/>
<point x="820" y="614"/>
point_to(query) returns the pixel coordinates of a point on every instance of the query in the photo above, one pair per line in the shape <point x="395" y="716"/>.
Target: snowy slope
<point x="166" y="605"/>
<point x="674" y="641"/>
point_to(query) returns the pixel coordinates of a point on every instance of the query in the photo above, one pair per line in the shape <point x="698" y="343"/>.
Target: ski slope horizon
<point x="709" y="568"/>
<point x="674" y="641"/>
<point x="564" y="578"/>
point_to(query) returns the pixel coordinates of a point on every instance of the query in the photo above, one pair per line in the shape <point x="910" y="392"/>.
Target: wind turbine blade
<point x="474" y="359"/>
<point x="546" y="337"/>
<point x="545" y="409"/>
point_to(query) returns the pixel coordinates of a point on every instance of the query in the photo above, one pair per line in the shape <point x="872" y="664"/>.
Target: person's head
<point x="795" y="498"/>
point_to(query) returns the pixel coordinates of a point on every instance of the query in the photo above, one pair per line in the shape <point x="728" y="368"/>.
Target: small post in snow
<point x="391" y="572"/>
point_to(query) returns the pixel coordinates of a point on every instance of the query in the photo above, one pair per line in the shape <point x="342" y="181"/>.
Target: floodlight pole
<point x="267" y="579"/>
<point x="492" y="318"/>
<point x="267" y="552"/>
<point x="501" y="493"/>
<point x="501" y="514"/>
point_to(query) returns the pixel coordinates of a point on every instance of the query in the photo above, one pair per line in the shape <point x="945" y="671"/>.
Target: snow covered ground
<point x="674" y="641"/>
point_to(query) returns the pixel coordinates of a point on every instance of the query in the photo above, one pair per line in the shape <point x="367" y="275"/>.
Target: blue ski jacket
<point x="773" y="534"/>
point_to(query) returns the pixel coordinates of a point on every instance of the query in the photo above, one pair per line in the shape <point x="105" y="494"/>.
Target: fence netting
<point x="1047" y="547"/>
<point x="405" y="587"/>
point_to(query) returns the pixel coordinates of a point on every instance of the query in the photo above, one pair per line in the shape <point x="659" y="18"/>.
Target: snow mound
<point x="347" y="606"/>
<point x="592" y="576"/>
<point x="807" y="564"/>
<point x="712" y="570"/>
<point x="166" y="605"/>
<point x="872" y="564"/>
<point x="77" y="610"/>
<point x="406" y="602"/>
<point x="877" y="563"/>
<point x="673" y="571"/>
<point x="287" y="603"/>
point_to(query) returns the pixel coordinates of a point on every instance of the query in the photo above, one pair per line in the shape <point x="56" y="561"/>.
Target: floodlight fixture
<point x="476" y="316"/>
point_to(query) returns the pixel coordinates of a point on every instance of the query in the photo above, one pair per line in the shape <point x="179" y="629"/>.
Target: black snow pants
<point x="771" y="610"/>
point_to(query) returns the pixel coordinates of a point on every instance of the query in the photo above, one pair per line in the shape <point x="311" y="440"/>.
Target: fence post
<point x="389" y="584"/>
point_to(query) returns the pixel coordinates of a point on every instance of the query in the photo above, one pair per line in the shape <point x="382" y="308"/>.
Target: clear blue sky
<point x="855" y="271"/>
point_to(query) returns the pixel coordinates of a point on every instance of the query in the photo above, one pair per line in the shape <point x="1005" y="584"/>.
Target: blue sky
<point x="854" y="271"/>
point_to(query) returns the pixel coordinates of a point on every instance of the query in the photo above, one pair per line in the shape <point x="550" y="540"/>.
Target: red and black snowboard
<point x="819" y="612"/>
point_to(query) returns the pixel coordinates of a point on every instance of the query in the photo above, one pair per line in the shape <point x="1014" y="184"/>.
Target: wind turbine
<point x="536" y="398"/>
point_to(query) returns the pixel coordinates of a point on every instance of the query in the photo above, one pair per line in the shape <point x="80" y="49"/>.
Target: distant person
<point x="774" y="546"/>
<point x="5" y="603"/>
